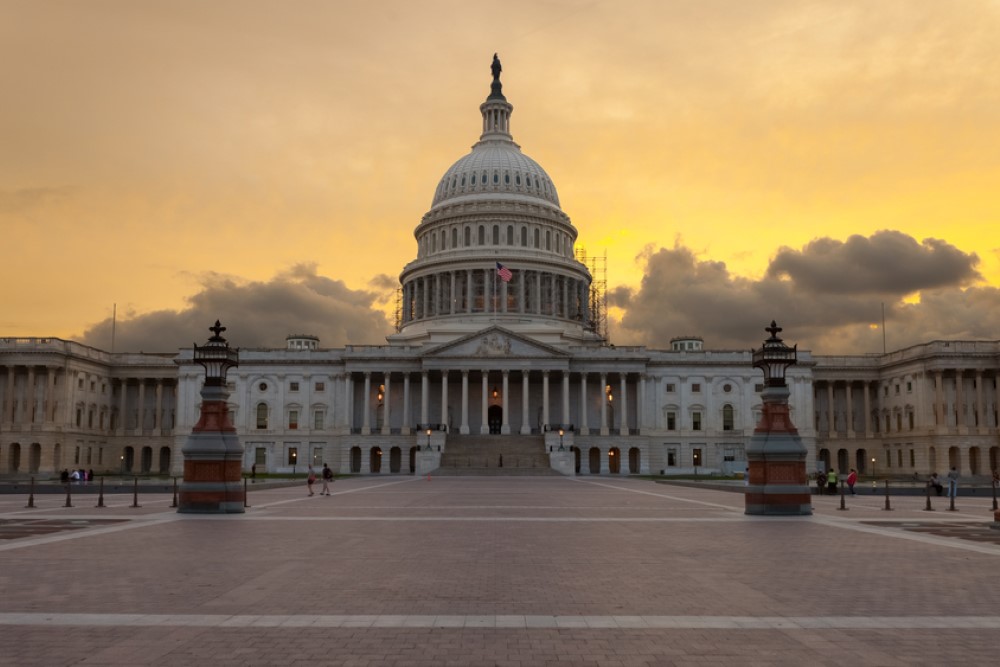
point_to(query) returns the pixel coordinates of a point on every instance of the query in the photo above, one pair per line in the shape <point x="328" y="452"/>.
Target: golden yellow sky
<point x="143" y="144"/>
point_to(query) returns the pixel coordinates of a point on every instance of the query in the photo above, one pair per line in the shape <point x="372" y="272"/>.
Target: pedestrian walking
<point x="820" y="482"/>
<point x="953" y="482"/>
<point x="310" y="480"/>
<point x="327" y="478"/>
<point x="852" y="479"/>
<point x="831" y="482"/>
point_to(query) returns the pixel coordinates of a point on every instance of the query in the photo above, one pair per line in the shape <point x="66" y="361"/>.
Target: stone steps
<point x="495" y="455"/>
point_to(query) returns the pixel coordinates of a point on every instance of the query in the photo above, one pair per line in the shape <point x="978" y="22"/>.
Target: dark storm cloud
<point x="681" y="295"/>
<point x="257" y="314"/>
<point x="888" y="262"/>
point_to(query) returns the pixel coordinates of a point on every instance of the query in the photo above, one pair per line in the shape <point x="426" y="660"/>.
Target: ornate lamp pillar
<point x="776" y="456"/>
<point x="213" y="454"/>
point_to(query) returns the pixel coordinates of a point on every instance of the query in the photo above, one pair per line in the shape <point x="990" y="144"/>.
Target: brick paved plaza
<point x="498" y="571"/>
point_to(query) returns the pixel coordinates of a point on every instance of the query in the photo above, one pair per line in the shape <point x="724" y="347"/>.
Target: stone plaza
<point x="505" y="571"/>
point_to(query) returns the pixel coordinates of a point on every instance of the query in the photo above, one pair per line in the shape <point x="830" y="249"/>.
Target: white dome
<point x="495" y="166"/>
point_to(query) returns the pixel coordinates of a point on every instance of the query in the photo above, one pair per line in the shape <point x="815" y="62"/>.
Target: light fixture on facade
<point x="495" y="392"/>
<point x="381" y="392"/>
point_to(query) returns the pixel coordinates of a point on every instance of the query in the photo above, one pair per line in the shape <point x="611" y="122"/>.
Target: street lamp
<point x="428" y="440"/>
<point x="295" y="460"/>
<point x="121" y="472"/>
<point x="774" y="358"/>
<point x="560" y="440"/>
<point x="873" y="472"/>
<point x="216" y="357"/>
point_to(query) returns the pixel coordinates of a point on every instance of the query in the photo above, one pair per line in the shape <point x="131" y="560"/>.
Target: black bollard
<point x="69" y="501"/>
<point x="888" y="507"/>
<point x="31" y="494"/>
<point x="842" y="507"/>
<point x="928" y="508"/>
<point x="245" y="496"/>
<point x="174" y="503"/>
<point x="135" y="493"/>
<point x="951" y="498"/>
<point x="100" y="495"/>
<point x="994" y="486"/>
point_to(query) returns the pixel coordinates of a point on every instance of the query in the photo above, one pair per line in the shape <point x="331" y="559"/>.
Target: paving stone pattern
<point x="498" y="571"/>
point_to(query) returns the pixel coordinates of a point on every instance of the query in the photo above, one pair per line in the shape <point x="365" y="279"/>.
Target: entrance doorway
<point x="495" y="419"/>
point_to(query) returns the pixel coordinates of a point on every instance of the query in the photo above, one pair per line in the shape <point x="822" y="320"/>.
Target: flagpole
<point x="114" y="319"/>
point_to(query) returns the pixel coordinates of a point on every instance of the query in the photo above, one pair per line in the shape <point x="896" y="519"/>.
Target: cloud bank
<point x="828" y="296"/>
<point x="257" y="314"/>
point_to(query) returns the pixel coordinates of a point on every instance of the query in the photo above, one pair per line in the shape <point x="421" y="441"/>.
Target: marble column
<point x="940" y="409"/>
<point x="140" y="423"/>
<point x="545" y="399"/>
<point x="584" y="429"/>
<point x="386" y="402"/>
<point x="604" y="406"/>
<point x="405" y="430"/>
<point x="484" y="427"/>
<point x="624" y="405"/>
<point x="425" y="395"/>
<point x="525" y="415"/>
<point x="29" y="397"/>
<point x="505" y="426"/>
<point x="444" y="398"/>
<point x="849" y="391"/>
<point x="464" y="427"/>
<point x="565" y="398"/>
<point x="960" y="422"/>
<point x="831" y="416"/>
<point x="866" y="395"/>
<point x="50" y="394"/>
<point x="980" y="415"/>
<point x="366" y="419"/>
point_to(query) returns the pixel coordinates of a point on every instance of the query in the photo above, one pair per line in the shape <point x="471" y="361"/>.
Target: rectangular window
<point x="671" y="458"/>
<point x="671" y="421"/>
<point x="695" y="421"/>
<point x="897" y="390"/>
<point x="90" y="452"/>
<point x="79" y="417"/>
<point x="913" y="459"/>
<point x="899" y="458"/>
<point x="696" y="456"/>
<point x="909" y="387"/>
<point x="320" y="386"/>
<point x="293" y="386"/>
<point x="888" y="459"/>
<point x="317" y="456"/>
<point x="293" y="419"/>
<point x="318" y="419"/>
<point x="79" y="383"/>
<point x="909" y="416"/>
<point x="100" y="455"/>
<point x="758" y="387"/>
<point x="293" y="455"/>
<point x="670" y="387"/>
<point x="260" y="456"/>
<point x="76" y="456"/>
<point x="696" y="388"/>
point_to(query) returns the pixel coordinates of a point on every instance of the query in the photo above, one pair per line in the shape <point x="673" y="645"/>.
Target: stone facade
<point x="480" y="351"/>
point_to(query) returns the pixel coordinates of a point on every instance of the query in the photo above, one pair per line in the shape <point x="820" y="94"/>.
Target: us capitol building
<point x="498" y="365"/>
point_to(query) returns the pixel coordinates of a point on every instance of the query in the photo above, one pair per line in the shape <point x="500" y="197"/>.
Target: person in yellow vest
<point x="831" y="481"/>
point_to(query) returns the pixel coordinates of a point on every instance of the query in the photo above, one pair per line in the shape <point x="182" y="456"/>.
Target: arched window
<point x="727" y="417"/>
<point x="510" y="234"/>
<point x="454" y="237"/>
<point x="482" y="235"/>
<point x="537" y="243"/>
<point x="496" y="235"/>
<point x="524" y="237"/>
<point x="433" y="243"/>
<point x="262" y="415"/>
<point x="548" y="239"/>
<point x="468" y="236"/>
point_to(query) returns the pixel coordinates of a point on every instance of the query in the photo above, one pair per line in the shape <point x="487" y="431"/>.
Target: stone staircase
<point x="495" y="455"/>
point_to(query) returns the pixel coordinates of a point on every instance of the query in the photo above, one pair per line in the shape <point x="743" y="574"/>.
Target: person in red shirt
<point x="852" y="479"/>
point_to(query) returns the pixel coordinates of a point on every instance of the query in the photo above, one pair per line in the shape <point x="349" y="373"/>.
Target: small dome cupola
<point x="496" y="109"/>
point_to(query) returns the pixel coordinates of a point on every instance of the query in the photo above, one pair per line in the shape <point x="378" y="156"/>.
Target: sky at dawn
<point x="266" y="162"/>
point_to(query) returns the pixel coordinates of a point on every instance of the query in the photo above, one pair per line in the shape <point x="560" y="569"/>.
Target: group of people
<point x="327" y="478"/>
<point x="826" y="482"/>
<point x="80" y="475"/>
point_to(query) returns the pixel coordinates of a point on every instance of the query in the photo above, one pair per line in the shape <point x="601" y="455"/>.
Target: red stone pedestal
<point x="776" y="458"/>
<point x="213" y="459"/>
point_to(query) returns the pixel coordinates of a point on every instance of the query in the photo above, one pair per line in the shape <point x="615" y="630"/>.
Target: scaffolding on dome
<point x="398" y="310"/>
<point x="598" y="267"/>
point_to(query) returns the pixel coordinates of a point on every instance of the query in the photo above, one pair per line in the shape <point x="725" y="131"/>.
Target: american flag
<point x="504" y="273"/>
